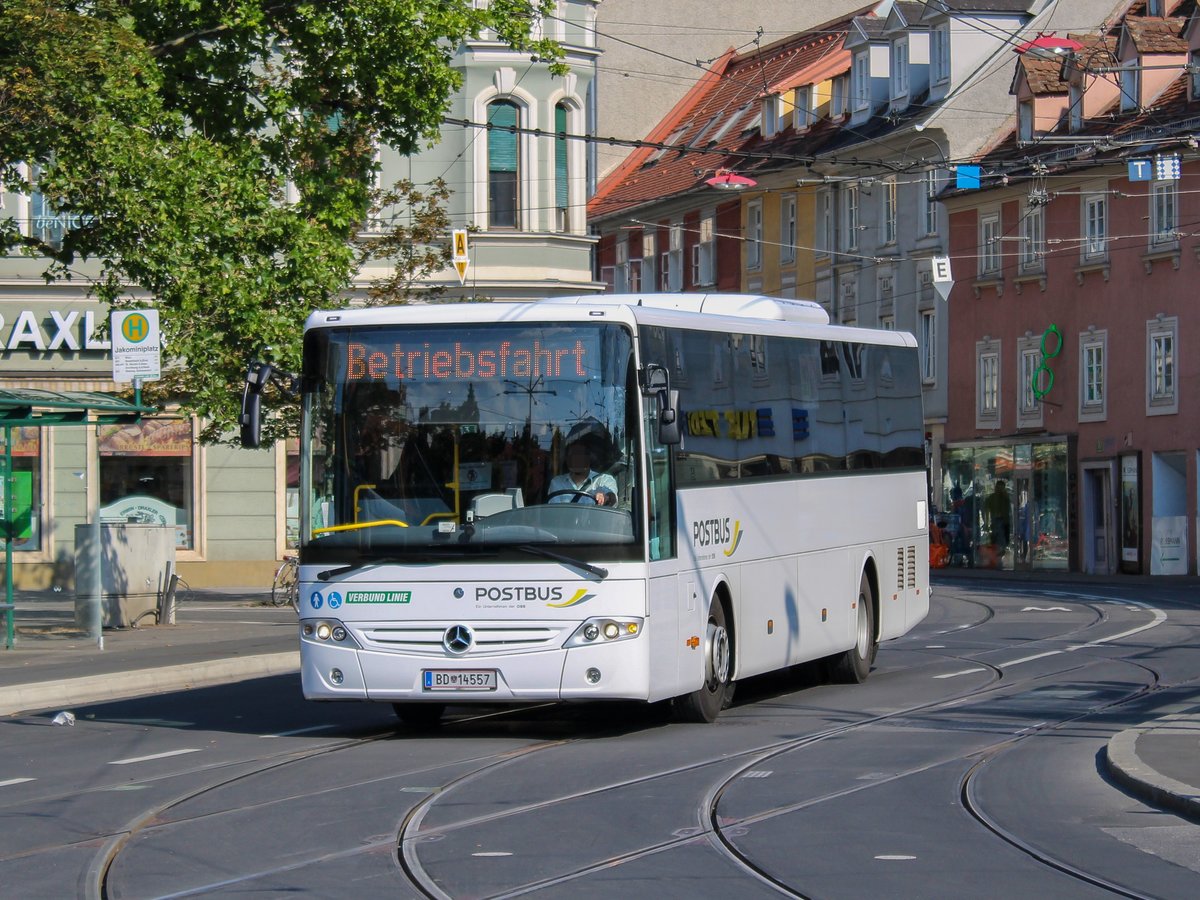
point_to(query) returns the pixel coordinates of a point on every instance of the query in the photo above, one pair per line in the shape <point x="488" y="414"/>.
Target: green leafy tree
<point x="217" y="157"/>
<point x="411" y="238"/>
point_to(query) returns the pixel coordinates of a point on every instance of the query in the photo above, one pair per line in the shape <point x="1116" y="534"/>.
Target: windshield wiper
<point x="416" y="557"/>
<point x="598" y="571"/>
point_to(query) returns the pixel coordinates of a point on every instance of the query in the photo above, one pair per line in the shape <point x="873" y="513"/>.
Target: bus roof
<point x="751" y="312"/>
<point x="751" y="306"/>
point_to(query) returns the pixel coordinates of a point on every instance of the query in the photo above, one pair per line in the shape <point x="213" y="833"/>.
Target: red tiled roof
<point x="1154" y="35"/>
<point x="1042" y="74"/>
<point x="732" y="90"/>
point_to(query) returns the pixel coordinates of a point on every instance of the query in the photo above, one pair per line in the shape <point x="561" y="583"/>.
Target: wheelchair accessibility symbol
<point x="335" y="600"/>
<point x="315" y="600"/>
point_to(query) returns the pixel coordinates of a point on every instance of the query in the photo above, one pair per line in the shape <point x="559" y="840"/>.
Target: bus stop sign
<point x="136" y="349"/>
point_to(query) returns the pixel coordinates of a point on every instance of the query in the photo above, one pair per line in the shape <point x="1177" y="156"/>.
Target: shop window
<point x="146" y="475"/>
<point x="26" y="488"/>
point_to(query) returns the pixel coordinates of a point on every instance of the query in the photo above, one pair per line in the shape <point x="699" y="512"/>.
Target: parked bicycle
<point x="285" y="589"/>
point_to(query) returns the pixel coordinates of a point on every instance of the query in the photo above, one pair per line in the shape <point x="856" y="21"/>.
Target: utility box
<point x="136" y="563"/>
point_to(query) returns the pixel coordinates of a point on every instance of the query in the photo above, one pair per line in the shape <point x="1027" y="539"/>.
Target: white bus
<point x="764" y="499"/>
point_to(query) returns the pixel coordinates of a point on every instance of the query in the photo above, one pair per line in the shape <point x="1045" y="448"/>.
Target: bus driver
<point x="581" y="483"/>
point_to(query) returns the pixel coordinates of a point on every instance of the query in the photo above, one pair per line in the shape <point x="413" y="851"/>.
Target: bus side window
<point x="658" y="491"/>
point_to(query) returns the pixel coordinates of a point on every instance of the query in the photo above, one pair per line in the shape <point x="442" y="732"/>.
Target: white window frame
<point x="787" y="229"/>
<point x="899" y="59"/>
<point x="929" y="205"/>
<point x="673" y="270"/>
<point x="769" y="120"/>
<point x="1025" y="120"/>
<point x="927" y="346"/>
<point x="826" y="240"/>
<point x="987" y="384"/>
<point x="1074" y="107"/>
<point x="1095" y="227"/>
<point x="887" y="323"/>
<point x="1093" y="376"/>
<point x="861" y="75"/>
<point x="1033" y="238"/>
<point x="1162" y="367"/>
<point x="754" y="234"/>
<point x="1164" y="214"/>
<point x="1130" y="82"/>
<point x="1029" y="358"/>
<point x="649" y="259"/>
<point x="621" y="269"/>
<point x="989" y="245"/>
<point x="850" y="217"/>
<point x="704" y="269"/>
<point x="889" y="212"/>
<point x="941" y="53"/>
<point x="802" y="112"/>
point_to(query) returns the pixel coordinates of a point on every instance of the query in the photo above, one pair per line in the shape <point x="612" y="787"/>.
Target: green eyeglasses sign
<point x="1036" y="383"/>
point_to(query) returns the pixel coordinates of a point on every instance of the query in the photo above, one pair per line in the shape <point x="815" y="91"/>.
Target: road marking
<point x="956" y="674"/>
<point x="295" y="731"/>
<point x="890" y="857"/>
<point x="1159" y="618"/>
<point x="138" y="759"/>
<point x="13" y="781"/>
<point x="1045" y="609"/>
<point x="492" y="853"/>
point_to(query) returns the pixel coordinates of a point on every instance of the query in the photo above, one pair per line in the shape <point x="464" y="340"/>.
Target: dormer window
<point x="802" y="115"/>
<point x="770" y="115"/>
<point x="1025" y="120"/>
<point x="900" y="69"/>
<point x="941" y="53"/>
<point x="1130" y="86"/>
<point x="1074" y="107"/>
<point x="861" y="76"/>
<point x="838" y="101"/>
<point x="1154" y="8"/>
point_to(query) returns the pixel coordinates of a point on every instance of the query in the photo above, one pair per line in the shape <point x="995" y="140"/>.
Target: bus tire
<point x="705" y="704"/>
<point x="420" y="715"/>
<point x="853" y="666"/>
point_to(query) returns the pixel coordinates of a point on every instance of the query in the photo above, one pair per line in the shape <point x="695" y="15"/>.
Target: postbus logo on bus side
<point x="716" y="532"/>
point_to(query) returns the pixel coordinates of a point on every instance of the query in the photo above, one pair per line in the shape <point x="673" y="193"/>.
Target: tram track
<point x="718" y="833"/>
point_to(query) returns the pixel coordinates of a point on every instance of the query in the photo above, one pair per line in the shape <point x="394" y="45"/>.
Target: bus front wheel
<point x="705" y="704"/>
<point x="853" y="666"/>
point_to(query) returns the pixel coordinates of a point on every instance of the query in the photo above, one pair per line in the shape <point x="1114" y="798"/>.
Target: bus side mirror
<point x="658" y="384"/>
<point x="258" y="374"/>
<point x="668" y="418"/>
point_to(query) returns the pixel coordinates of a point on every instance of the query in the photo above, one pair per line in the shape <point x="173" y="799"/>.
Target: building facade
<point x="1076" y="262"/>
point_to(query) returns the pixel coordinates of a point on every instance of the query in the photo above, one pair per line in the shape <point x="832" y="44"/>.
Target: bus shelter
<point x="30" y="407"/>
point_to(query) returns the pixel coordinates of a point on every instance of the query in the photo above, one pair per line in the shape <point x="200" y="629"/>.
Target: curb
<point x="1127" y="768"/>
<point x="144" y="682"/>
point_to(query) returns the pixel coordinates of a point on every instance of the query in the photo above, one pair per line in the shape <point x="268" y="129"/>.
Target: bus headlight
<point x="614" y="629"/>
<point x="326" y="631"/>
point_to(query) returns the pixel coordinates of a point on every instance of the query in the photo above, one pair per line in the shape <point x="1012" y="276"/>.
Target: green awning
<point x="34" y="406"/>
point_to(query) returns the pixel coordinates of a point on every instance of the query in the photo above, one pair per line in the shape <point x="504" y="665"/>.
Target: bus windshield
<point x="435" y="442"/>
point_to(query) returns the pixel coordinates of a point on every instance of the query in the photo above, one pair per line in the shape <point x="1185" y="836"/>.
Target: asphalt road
<point x="968" y="765"/>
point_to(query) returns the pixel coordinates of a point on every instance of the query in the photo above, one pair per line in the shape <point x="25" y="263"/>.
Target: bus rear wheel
<point x="706" y="704"/>
<point x="420" y="715"/>
<point x="853" y="666"/>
